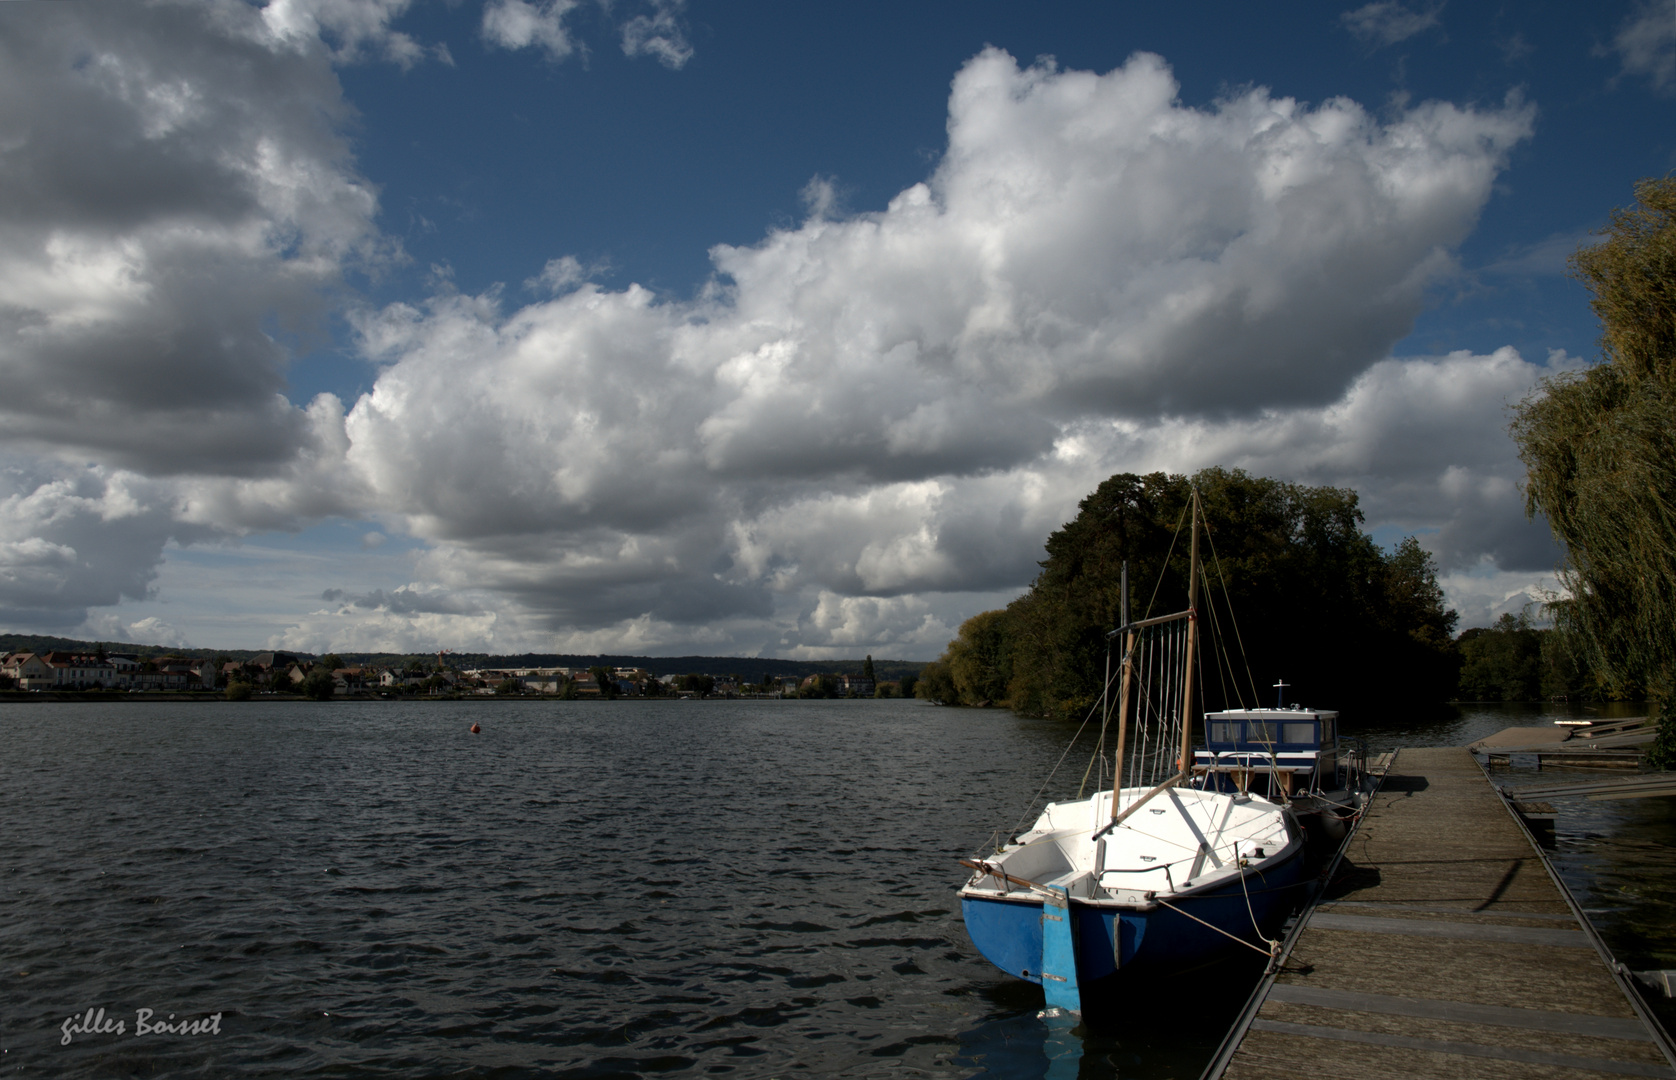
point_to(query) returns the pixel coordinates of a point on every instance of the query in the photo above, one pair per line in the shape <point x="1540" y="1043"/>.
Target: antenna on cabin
<point x="1280" y="696"/>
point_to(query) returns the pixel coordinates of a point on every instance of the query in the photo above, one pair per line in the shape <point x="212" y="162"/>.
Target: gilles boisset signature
<point x="94" y="1022"/>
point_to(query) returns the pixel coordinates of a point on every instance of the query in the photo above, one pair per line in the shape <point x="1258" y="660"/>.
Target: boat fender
<point x="475" y="729"/>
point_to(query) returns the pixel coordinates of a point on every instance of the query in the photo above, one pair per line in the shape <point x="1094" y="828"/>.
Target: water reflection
<point x="1157" y="1028"/>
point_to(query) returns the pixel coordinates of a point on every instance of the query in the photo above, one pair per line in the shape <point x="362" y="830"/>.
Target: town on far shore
<point x="96" y="670"/>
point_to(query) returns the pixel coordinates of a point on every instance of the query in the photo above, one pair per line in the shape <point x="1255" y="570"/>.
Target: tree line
<point x="1293" y="590"/>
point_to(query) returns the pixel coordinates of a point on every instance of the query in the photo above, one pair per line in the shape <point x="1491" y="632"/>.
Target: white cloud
<point x="904" y="403"/>
<point x="75" y="538"/>
<point x="147" y="631"/>
<point x="1646" y="44"/>
<point x="358" y="27"/>
<point x="1484" y="593"/>
<point x="659" y="34"/>
<point x="519" y="24"/>
<point x="867" y="424"/>
<point x="1386" y="22"/>
<point x="177" y="190"/>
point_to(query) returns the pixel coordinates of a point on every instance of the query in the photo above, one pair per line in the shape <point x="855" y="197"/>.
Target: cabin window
<point x="1326" y="733"/>
<point x="1298" y="733"/>
<point x="1224" y="731"/>
<point x="1259" y="731"/>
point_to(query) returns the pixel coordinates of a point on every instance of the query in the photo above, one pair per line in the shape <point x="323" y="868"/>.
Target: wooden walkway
<point x="1443" y="949"/>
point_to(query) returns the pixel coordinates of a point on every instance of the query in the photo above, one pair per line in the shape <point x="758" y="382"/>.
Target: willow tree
<point x="1599" y="447"/>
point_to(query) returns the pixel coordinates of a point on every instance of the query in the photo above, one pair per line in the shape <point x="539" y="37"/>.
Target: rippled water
<point x="592" y="889"/>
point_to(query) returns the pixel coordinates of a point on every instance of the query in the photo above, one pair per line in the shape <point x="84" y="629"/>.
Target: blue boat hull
<point x="1009" y="932"/>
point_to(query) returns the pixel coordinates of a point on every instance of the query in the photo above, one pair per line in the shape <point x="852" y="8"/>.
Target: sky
<point x="765" y="329"/>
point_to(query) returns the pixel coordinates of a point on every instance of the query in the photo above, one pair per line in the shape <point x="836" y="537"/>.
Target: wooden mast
<point x="1185" y="767"/>
<point x="1184" y="764"/>
<point x="1123" y="698"/>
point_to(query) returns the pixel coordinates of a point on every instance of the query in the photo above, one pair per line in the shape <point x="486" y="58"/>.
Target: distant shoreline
<point x="119" y="697"/>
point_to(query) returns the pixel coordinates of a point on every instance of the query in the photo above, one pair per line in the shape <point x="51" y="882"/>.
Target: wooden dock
<point x="1443" y="948"/>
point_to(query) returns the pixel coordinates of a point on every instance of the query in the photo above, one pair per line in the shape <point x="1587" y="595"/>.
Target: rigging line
<point x="1054" y="771"/>
<point x="1166" y="567"/>
<point x="1229" y="600"/>
<point x="1224" y="666"/>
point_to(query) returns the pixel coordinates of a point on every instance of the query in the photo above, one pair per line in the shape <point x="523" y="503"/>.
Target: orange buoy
<point x="475" y="729"/>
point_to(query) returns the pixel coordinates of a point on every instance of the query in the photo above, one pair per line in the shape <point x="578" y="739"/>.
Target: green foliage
<point x="907" y="685"/>
<point x="698" y="684"/>
<point x="239" y="690"/>
<point x="318" y="685"/>
<point x="867" y="670"/>
<point x="1292" y="585"/>
<point x="331" y="662"/>
<point x="824" y="685"/>
<point x="1662" y="754"/>
<point x="980" y="659"/>
<point x="1502" y="662"/>
<point x="1600" y="454"/>
<point x="509" y="687"/>
<point x="935" y="683"/>
<point x="567" y="690"/>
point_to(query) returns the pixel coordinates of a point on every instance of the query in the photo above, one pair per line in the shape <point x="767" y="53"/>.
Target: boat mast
<point x="1123" y="697"/>
<point x="1186" y="762"/>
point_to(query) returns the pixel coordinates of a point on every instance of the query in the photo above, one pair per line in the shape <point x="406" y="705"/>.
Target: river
<point x="589" y="889"/>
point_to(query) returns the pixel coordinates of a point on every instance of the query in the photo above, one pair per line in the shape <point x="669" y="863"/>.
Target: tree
<point x="1502" y="662"/>
<point x="934" y="683"/>
<point x="605" y="679"/>
<point x="1599" y="451"/>
<point x="1292" y="589"/>
<point x="867" y="669"/>
<point x="509" y="687"/>
<point x="318" y="685"/>
<point x="824" y="685"/>
<point x="239" y="690"/>
<point x="698" y="684"/>
<point x="980" y="659"/>
<point x="331" y="661"/>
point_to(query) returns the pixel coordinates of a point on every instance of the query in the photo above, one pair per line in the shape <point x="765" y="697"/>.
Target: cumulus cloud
<point x="903" y="403"/>
<point x="417" y="617"/>
<point x="856" y="436"/>
<point x="74" y="538"/>
<point x="1386" y="22"/>
<point x="177" y="191"/>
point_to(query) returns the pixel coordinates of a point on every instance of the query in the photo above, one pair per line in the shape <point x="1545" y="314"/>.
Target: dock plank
<point x="1443" y="949"/>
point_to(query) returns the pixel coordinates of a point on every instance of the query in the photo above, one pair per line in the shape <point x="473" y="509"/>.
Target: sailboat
<point x="1155" y="875"/>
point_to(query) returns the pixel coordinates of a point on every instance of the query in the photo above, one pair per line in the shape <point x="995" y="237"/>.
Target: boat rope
<point x="1218" y="929"/>
<point x="1274" y="946"/>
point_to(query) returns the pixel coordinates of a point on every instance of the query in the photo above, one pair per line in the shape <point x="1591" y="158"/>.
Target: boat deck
<point x="1443" y="949"/>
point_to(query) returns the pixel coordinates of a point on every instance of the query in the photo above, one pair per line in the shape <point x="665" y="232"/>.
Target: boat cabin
<point x="1277" y="753"/>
